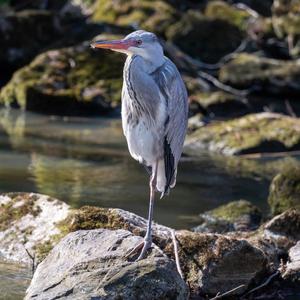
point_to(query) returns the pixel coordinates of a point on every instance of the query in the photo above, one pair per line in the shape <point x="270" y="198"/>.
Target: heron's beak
<point x="113" y="45"/>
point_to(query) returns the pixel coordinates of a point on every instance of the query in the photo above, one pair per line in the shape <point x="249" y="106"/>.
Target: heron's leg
<point x="148" y="236"/>
<point x="146" y="244"/>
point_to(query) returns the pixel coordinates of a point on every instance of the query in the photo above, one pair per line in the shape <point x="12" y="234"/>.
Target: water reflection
<point x="85" y="161"/>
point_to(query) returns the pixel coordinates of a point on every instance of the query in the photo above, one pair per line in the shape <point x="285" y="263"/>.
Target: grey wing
<point x="173" y="89"/>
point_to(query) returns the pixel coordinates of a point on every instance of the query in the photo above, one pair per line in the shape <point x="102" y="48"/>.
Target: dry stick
<point x="263" y="284"/>
<point x="176" y="253"/>
<point x="32" y="257"/>
<point x="219" y="296"/>
<point x="248" y="9"/>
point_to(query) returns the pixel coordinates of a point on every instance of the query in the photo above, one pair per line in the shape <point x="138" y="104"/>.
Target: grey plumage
<point x="154" y="111"/>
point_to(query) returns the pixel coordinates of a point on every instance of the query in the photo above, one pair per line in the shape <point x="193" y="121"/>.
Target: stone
<point x="68" y="81"/>
<point x="292" y="268"/>
<point x="284" y="228"/>
<point x="219" y="104"/>
<point x="261" y="132"/>
<point x="266" y="74"/>
<point x="284" y="190"/>
<point x="239" y="215"/>
<point x="214" y="263"/>
<point x="155" y="16"/>
<point x="28" y="222"/>
<point x="91" y="264"/>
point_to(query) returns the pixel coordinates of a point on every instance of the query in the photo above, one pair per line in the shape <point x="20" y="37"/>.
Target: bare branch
<point x="219" y="296"/>
<point x="289" y="108"/>
<point x="176" y="253"/>
<point x="263" y="284"/>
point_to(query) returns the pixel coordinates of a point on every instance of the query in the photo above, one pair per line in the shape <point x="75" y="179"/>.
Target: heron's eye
<point x="139" y="42"/>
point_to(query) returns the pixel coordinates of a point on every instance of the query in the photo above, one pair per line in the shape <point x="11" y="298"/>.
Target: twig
<point x="219" y="296"/>
<point x="32" y="257"/>
<point x="222" y="86"/>
<point x="263" y="284"/>
<point x="176" y="253"/>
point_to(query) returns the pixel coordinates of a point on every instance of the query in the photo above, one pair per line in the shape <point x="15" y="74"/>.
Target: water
<point x="86" y="162"/>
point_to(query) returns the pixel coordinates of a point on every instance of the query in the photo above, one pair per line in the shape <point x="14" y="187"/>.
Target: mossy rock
<point x="239" y="215"/>
<point x="274" y="76"/>
<point x="155" y="16"/>
<point x="223" y="11"/>
<point x="205" y="38"/>
<point x="68" y="81"/>
<point x="262" y="132"/>
<point x="219" y="103"/>
<point x="285" y="190"/>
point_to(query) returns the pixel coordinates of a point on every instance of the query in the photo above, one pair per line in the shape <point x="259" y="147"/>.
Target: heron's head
<point x="139" y="42"/>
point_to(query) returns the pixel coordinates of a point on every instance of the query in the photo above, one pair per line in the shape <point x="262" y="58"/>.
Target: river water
<point x="85" y="161"/>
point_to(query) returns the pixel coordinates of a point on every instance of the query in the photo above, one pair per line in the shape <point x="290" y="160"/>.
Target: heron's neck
<point x="149" y="66"/>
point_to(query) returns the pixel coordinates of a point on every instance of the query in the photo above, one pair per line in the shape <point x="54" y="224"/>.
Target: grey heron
<point x="154" y="112"/>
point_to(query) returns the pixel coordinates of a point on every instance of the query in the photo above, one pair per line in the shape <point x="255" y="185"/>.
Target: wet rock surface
<point x="84" y="270"/>
<point x="263" y="132"/>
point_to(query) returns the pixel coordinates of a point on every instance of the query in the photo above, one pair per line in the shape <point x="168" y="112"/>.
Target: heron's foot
<point x="144" y="246"/>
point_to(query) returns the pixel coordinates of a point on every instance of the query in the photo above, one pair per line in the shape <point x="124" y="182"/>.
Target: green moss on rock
<point x="263" y="132"/>
<point x="223" y="11"/>
<point x="285" y="190"/>
<point x="233" y="211"/>
<point x="155" y="16"/>
<point x="68" y="81"/>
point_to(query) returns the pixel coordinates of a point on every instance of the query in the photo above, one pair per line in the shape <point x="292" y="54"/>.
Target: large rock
<point x="234" y="216"/>
<point x="285" y="190"/>
<point x="155" y="16"/>
<point x="92" y="265"/>
<point x="69" y="81"/>
<point x="270" y="75"/>
<point x="292" y="269"/>
<point x="215" y="263"/>
<point x="262" y="132"/>
<point x="28" y="222"/>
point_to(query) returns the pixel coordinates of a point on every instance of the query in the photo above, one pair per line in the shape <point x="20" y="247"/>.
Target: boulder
<point x="68" y="81"/>
<point x="155" y="16"/>
<point x="28" y="225"/>
<point x="285" y="190"/>
<point x="239" y="215"/>
<point x="265" y="74"/>
<point x="285" y="228"/>
<point x="219" y="104"/>
<point x="92" y="264"/>
<point x="262" y="132"/>
<point x="215" y="264"/>
<point x="292" y="268"/>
